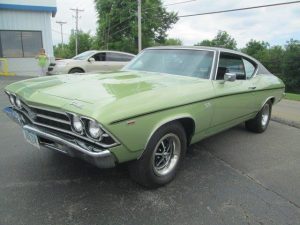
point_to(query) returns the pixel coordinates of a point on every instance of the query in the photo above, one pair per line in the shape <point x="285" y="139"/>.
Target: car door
<point x="99" y="65"/>
<point x="234" y="99"/>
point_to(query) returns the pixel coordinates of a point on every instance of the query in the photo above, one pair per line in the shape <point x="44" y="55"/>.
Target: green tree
<point x="85" y="42"/>
<point x="117" y="24"/>
<point x="291" y="66"/>
<point x="172" y="41"/>
<point x="222" y="39"/>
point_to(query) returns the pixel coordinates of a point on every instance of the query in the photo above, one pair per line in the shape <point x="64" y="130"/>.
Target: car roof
<point x="99" y="51"/>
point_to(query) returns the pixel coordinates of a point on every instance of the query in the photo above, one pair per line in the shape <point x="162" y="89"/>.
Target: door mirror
<point x="92" y="60"/>
<point x="229" y="77"/>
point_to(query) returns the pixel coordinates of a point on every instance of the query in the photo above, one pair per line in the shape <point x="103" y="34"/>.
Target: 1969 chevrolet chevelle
<point x="165" y="99"/>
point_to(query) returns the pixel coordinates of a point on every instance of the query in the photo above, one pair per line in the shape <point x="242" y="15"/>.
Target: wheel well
<point x="189" y="127"/>
<point x="272" y="100"/>
<point x="78" y="68"/>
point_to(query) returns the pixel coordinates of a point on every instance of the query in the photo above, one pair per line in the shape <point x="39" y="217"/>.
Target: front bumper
<point x="63" y="143"/>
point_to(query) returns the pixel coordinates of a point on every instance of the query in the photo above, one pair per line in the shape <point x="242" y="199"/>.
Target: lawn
<point x="291" y="96"/>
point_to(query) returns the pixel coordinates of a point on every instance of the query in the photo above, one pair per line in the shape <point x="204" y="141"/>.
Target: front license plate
<point x="31" y="138"/>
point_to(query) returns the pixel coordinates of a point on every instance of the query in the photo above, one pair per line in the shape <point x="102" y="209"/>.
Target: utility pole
<point x="77" y="11"/>
<point x="61" y="23"/>
<point x="139" y="25"/>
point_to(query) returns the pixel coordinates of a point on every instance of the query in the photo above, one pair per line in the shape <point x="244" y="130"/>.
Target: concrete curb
<point x="286" y="122"/>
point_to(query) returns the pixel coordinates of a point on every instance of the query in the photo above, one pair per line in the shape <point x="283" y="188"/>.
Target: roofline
<point x="51" y="9"/>
<point x="98" y="51"/>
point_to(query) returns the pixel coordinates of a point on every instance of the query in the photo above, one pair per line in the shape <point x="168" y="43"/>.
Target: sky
<point x="275" y="25"/>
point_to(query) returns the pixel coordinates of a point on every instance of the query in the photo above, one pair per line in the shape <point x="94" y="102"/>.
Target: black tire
<point x="260" y="123"/>
<point x="144" y="170"/>
<point x="76" y="70"/>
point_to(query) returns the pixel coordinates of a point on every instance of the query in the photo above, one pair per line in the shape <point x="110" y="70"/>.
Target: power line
<point x="178" y="3"/>
<point x="240" y="9"/>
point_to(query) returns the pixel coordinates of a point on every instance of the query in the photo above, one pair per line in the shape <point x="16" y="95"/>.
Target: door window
<point x="249" y="68"/>
<point x="100" y="57"/>
<point x="230" y="63"/>
<point x="118" y="57"/>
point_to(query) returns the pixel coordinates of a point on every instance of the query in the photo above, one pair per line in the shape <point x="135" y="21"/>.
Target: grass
<point x="290" y="96"/>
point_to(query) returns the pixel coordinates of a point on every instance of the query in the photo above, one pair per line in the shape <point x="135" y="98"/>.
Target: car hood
<point x="112" y="96"/>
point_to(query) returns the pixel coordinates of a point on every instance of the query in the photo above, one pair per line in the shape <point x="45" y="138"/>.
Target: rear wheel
<point x="76" y="70"/>
<point x="162" y="156"/>
<point x="261" y="121"/>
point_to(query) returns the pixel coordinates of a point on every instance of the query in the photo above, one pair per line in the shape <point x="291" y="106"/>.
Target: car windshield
<point x="84" y="55"/>
<point x="193" y="63"/>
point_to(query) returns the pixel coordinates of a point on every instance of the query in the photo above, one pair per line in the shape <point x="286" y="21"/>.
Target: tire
<point x="261" y="121"/>
<point x="76" y="70"/>
<point x="160" y="161"/>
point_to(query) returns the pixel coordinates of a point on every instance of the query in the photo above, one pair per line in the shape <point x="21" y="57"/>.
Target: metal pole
<point x="77" y="11"/>
<point x="61" y="23"/>
<point x="139" y="25"/>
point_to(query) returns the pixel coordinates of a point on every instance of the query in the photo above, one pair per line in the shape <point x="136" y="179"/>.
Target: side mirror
<point x="229" y="77"/>
<point x="92" y="60"/>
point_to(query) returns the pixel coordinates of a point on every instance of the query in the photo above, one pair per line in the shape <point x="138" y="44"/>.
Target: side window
<point x="249" y="68"/>
<point x="118" y="57"/>
<point x="99" y="57"/>
<point x="230" y="63"/>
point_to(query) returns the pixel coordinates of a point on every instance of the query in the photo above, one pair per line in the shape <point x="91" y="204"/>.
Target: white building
<point x="25" y="28"/>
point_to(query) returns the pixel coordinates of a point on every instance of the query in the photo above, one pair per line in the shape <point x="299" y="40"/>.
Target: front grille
<point x="61" y="122"/>
<point x="50" y="69"/>
<point x="47" y="118"/>
<point x="52" y="64"/>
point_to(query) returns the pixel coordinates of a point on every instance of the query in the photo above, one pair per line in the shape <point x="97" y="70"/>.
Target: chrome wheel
<point x="265" y="115"/>
<point x="166" y="154"/>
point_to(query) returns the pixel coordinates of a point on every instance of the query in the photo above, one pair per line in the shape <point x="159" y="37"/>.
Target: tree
<point x="85" y="42"/>
<point x="291" y="65"/>
<point x="222" y="39"/>
<point x="117" y="24"/>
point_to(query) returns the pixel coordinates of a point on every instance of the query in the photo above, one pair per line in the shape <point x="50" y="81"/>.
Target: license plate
<point x="12" y="114"/>
<point x="31" y="138"/>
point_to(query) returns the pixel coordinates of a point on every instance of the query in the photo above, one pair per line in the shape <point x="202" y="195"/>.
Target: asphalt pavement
<point x="235" y="177"/>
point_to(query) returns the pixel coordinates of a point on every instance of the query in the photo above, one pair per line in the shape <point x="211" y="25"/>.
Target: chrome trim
<point x="57" y="139"/>
<point x="53" y="118"/>
<point x="68" y="132"/>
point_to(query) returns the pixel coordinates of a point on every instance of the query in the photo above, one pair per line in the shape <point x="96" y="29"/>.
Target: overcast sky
<point x="274" y="24"/>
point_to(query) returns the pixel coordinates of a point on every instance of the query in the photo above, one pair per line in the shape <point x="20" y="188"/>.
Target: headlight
<point x="18" y="103"/>
<point x="95" y="130"/>
<point x="77" y="124"/>
<point x="12" y="99"/>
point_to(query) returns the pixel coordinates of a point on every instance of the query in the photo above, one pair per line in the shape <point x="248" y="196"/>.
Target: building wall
<point x="27" y="20"/>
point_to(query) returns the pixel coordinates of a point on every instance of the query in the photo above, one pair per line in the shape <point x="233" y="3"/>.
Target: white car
<point x="91" y="61"/>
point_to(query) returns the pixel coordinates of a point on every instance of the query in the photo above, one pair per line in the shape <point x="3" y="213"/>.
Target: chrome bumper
<point x="66" y="144"/>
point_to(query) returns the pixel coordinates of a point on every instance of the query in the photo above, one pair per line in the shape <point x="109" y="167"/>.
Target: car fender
<point x="163" y="122"/>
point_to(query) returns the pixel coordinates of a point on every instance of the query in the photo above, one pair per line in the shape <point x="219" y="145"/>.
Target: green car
<point x="147" y="114"/>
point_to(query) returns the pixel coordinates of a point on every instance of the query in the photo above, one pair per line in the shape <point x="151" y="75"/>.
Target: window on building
<point x="20" y="44"/>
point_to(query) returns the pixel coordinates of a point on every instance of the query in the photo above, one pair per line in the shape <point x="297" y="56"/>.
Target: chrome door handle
<point x="252" y="87"/>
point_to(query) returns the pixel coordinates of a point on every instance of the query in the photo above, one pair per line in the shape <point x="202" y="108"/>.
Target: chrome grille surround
<point x="61" y="122"/>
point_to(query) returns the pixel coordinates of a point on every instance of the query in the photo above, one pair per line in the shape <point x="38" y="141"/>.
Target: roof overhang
<point x="35" y="8"/>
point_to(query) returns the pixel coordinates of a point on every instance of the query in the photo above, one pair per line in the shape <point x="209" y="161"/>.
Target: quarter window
<point x="230" y="63"/>
<point x="19" y="44"/>
<point x="249" y="68"/>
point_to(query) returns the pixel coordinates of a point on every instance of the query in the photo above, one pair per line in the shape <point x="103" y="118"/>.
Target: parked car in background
<point x="91" y="61"/>
<point x="165" y="99"/>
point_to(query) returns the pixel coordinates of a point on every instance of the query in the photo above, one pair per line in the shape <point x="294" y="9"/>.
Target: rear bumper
<point x="66" y="144"/>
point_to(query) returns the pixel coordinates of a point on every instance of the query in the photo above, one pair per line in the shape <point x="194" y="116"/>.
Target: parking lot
<point x="235" y="177"/>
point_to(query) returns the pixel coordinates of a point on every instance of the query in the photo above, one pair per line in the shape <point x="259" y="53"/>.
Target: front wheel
<point x="161" y="159"/>
<point x="261" y="121"/>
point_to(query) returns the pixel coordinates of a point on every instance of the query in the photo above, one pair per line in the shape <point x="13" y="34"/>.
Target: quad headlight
<point x="77" y="124"/>
<point x="12" y="99"/>
<point x="18" y="103"/>
<point x="94" y="129"/>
